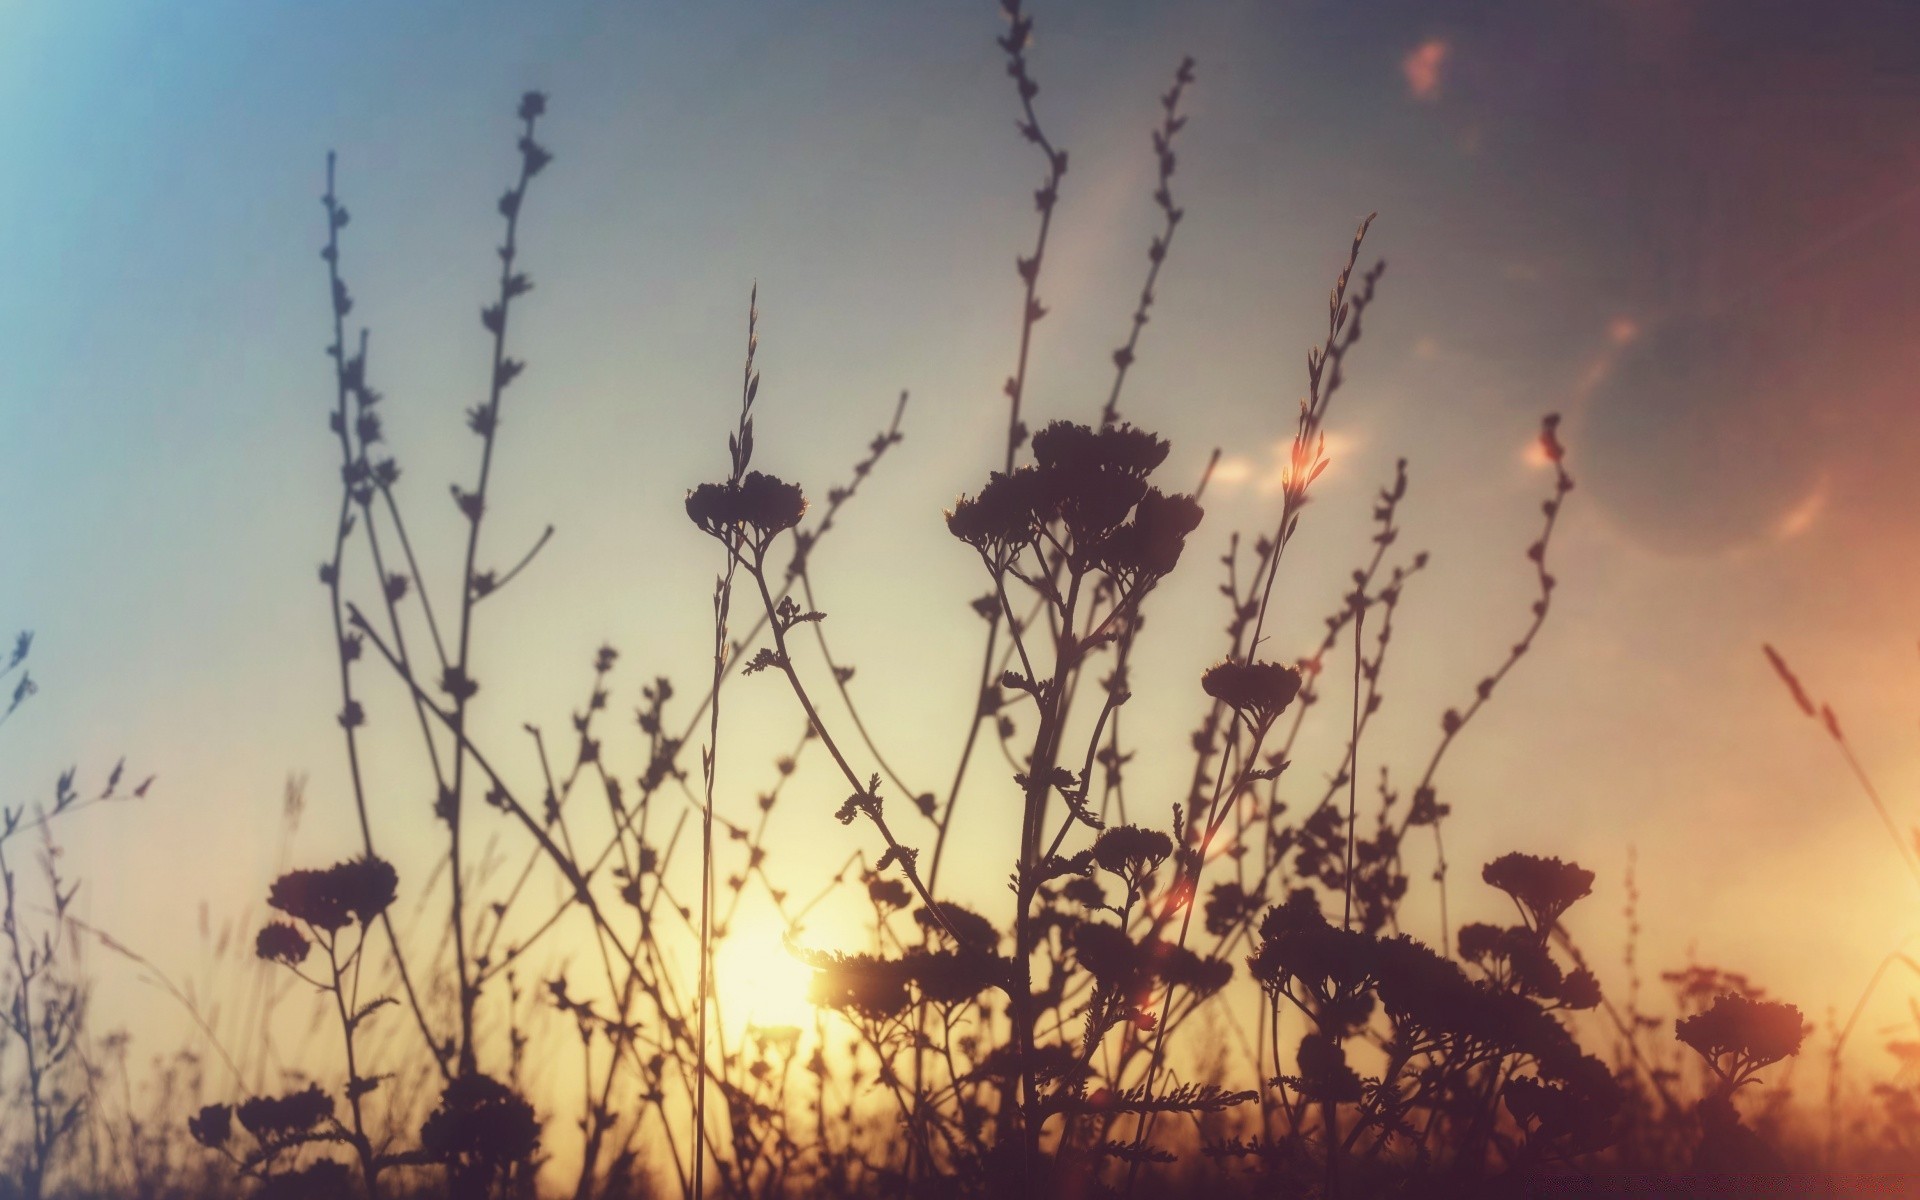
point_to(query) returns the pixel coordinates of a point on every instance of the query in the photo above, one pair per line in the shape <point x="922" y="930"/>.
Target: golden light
<point x="1336" y="444"/>
<point x="1232" y="469"/>
<point x="1423" y="69"/>
<point x="1801" y="517"/>
<point x="759" y="982"/>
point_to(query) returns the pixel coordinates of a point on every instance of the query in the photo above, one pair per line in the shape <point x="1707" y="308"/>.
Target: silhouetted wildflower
<point x="1738" y="1035"/>
<point x="1544" y="888"/>
<point x="950" y="977"/>
<point x="1084" y="891"/>
<point x="1132" y="852"/>
<point x="267" y="1117"/>
<point x="1149" y="546"/>
<point x="760" y="502"/>
<point x="1228" y="904"/>
<point x="1580" y="990"/>
<point x="1259" y="691"/>
<point x="1202" y="976"/>
<point x="1577" y="1109"/>
<point x="968" y="928"/>
<point x="888" y="892"/>
<point x="1122" y="449"/>
<point x="1480" y="942"/>
<point x="482" y="1129"/>
<point x="875" y="988"/>
<point x="1124" y="966"/>
<point x="1002" y="516"/>
<point x="1320" y="968"/>
<point x="212" y="1126"/>
<point x="282" y="943"/>
<point x="1324" y="1073"/>
<point x="358" y="889"/>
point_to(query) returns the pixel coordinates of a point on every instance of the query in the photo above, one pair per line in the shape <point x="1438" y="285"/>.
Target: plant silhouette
<point x="1060" y="1036"/>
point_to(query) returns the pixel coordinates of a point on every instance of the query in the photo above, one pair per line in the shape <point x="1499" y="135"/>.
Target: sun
<point x="759" y="982"/>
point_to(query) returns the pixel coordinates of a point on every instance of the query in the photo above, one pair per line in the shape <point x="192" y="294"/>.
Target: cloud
<point x="1423" y="67"/>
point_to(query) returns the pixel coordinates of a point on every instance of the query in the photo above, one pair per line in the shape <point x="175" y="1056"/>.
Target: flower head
<point x="968" y="930"/>
<point x="359" y="889"/>
<point x="761" y="502"/>
<point x="1003" y="516"/>
<point x="873" y="987"/>
<point x="480" y="1127"/>
<point x="278" y="1116"/>
<point x="282" y="943"/>
<point x="1738" y="1035"/>
<point x="1149" y="546"/>
<point x="1132" y="852"/>
<point x="1094" y="484"/>
<point x="1259" y="691"/>
<point x="1121" y="449"/>
<point x="1544" y="888"/>
<point x="211" y="1126"/>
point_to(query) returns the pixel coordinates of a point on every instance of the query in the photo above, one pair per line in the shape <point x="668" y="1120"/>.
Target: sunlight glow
<point x="1422" y="68"/>
<point x="1801" y="517"/>
<point x="760" y="982"/>
<point x="1339" y="444"/>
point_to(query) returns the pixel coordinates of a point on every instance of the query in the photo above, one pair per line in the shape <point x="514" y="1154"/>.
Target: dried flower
<point x="968" y="929"/>
<point x="1084" y="891"/>
<point x="1544" y="888"/>
<point x="873" y="987"/>
<point x="279" y="1116"/>
<point x="768" y="505"/>
<point x="1738" y="1035"/>
<point x="888" y="892"/>
<point x="211" y="1126"/>
<point x="1259" y="691"/>
<point x="282" y="943"/>
<point x="481" y="1129"/>
<point x="1149" y="546"/>
<point x="358" y="889"/>
<point x="1132" y="852"/>
<point x="1002" y="516"/>
<point x="1121" y="449"/>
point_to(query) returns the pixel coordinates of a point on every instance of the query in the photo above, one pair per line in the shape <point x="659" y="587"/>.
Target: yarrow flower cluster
<point x="762" y="503"/>
<point x="267" y="1117"/>
<point x="1738" y="1035"/>
<point x="359" y="889"/>
<point x="1093" y="485"/>
<point x="879" y="988"/>
<point x="282" y="943"/>
<point x="1132" y="852"/>
<point x="1542" y="887"/>
<point x="482" y="1130"/>
<point x="1258" y="691"/>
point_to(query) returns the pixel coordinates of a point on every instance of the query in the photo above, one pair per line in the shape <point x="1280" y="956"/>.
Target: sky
<point x="1691" y="228"/>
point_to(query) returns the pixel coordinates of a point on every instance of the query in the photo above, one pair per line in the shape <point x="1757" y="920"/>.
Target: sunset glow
<point x="1329" y="584"/>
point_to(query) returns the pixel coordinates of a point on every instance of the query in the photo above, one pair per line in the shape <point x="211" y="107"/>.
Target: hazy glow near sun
<point x="1801" y="517"/>
<point x="759" y="982"/>
<point x="1236" y="470"/>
